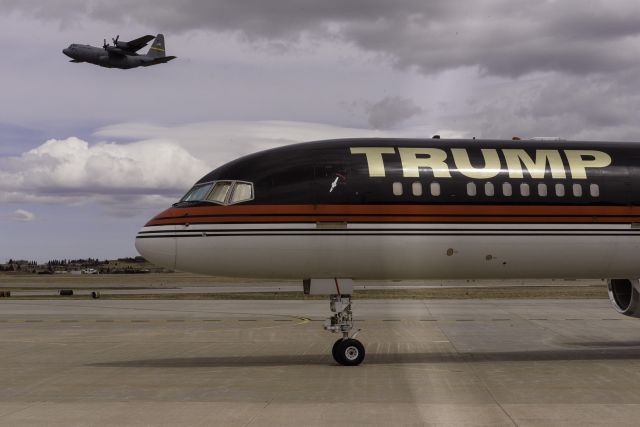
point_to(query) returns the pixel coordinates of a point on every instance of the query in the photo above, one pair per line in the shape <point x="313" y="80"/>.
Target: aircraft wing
<point x="139" y="43"/>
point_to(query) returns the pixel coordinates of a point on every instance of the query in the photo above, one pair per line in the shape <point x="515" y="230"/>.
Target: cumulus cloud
<point x="72" y="169"/>
<point x="500" y="37"/>
<point x="391" y="111"/>
<point x="22" y="216"/>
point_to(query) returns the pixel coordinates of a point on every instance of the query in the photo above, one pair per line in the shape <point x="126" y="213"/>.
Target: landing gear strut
<point x="347" y="350"/>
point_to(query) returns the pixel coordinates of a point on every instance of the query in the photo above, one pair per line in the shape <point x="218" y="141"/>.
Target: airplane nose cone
<point x="157" y="248"/>
<point x="66" y="52"/>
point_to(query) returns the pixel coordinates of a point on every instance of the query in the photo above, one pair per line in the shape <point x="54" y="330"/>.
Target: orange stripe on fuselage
<point x="398" y="214"/>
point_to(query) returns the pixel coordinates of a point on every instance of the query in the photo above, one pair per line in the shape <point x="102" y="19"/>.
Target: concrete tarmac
<point x="268" y="363"/>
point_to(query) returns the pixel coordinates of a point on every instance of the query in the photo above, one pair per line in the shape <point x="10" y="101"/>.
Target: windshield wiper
<point x="194" y="202"/>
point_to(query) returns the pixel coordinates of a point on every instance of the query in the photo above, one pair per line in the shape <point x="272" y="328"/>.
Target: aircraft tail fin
<point x="157" y="48"/>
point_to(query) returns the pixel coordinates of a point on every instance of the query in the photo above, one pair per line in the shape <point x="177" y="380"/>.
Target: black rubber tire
<point x="350" y="352"/>
<point x="335" y="351"/>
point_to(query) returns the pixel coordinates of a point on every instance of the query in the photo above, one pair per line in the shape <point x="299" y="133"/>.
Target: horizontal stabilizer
<point x="165" y="59"/>
<point x="161" y="60"/>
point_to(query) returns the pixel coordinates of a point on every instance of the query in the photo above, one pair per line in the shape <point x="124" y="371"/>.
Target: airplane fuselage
<point x="99" y="56"/>
<point x="411" y="209"/>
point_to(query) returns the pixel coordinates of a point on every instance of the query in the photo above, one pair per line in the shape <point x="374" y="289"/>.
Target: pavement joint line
<point x="292" y="319"/>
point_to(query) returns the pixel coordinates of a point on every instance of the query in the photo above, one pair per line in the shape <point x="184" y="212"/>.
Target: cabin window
<point x="577" y="190"/>
<point x="594" y="189"/>
<point x="397" y="189"/>
<point x="506" y="189"/>
<point x="416" y="188"/>
<point x="242" y="192"/>
<point x="489" y="189"/>
<point x="542" y="190"/>
<point x="525" y="191"/>
<point x="471" y="189"/>
<point x="435" y="188"/>
<point x="198" y="192"/>
<point x="560" y="190"/>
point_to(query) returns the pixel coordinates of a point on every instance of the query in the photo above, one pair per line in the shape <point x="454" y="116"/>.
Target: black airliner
<point x="329" y="212"/>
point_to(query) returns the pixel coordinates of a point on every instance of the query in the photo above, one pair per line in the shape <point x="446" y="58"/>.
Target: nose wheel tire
<point x="349" y="352"/>
<point x="335" y="350"/>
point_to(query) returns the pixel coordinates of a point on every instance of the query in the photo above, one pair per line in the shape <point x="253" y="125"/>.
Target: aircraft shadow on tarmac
<point x="620" y="350"/>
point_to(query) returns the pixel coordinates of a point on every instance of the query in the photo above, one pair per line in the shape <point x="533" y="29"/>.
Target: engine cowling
<point x="624" y="295"/>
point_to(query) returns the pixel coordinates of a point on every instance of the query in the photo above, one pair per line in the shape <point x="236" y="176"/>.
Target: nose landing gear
<point x="347" y="351"/>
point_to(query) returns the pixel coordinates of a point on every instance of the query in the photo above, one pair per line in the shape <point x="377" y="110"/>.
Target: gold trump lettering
<point x="374" y="158"/>
<point x="463" y="163"/>
<point x="536" y="167"/>
<point x="580" y="160"/>
<point x="537" y="163"/>
<point x="430" y="158"/>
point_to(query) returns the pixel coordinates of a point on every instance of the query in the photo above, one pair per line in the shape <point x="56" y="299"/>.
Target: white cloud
<point x="22" y="215"/>
<point x="73" y="170"/>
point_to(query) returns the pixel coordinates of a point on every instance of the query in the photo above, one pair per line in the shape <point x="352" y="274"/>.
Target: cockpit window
<point x="199" y="192"/>
<point x="242" y="192"/>
<point x="219" y="192"/>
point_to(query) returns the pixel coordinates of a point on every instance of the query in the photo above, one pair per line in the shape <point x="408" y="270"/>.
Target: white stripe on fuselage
<point x="403" y="251"/>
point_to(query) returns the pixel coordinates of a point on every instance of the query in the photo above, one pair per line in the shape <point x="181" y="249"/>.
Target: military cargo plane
<point x="328" y="212"/>
<point x="122" y="54"/>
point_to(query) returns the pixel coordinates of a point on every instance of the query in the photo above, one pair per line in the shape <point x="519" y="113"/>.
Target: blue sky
<point x="84" y="150"/>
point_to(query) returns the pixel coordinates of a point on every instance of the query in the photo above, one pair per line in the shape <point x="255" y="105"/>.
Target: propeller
<point x="105" y="45"/>
<point x="115" y="41"/>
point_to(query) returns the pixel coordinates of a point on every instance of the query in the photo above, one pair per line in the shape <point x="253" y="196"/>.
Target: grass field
<point x="148" y="285"/>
